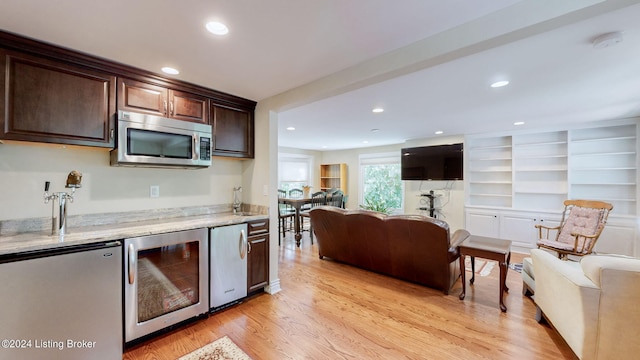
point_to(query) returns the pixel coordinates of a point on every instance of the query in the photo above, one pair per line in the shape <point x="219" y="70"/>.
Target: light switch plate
<point x="154" y="191"/>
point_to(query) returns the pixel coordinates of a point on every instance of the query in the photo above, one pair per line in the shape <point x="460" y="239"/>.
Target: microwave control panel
<point x="205" y="148"/>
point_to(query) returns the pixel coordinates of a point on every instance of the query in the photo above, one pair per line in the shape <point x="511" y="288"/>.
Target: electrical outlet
<point x="154" y="191"/>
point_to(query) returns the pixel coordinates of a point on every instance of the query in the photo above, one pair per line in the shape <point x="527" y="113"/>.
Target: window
<point x="294" y="171"/>
<point x="380" y="184"/>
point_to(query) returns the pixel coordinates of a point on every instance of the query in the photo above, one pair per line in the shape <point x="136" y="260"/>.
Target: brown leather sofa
<point x="415" y="248"/>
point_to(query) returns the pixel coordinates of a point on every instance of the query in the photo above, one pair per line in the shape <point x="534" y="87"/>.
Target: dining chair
<point x="295" y="193"/>
<point x="285" y="214"/>
<point x="336" y="199"/>
<point x="317" y="199"/>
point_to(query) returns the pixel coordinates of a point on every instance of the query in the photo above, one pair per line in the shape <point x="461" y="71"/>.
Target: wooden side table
<point x="487" y="248"/>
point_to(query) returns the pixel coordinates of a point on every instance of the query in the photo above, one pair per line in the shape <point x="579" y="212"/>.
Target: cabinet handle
<point x="132" y="264"/>
<point x="111" y="134"/>
<point x="249" y="247"/>
<point x="165" y="106"/>
<point x="171" y="108"/>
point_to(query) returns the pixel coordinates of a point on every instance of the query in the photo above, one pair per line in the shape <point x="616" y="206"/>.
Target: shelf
<point x="492" y="159"/>
<point x="540" y="170"/>
<point x="603" y="169"/>
<point x="540" y="192"/>
<point x="605" y="139"/>
<point x="490" y="182"/>
<point x="541" y="144"/>
<point x="491" y="170"/>
<point x="492" y="195"/>
<point x="561" y="156"/>
<point x="604" y="183"/>
<point x="606" y="154"/>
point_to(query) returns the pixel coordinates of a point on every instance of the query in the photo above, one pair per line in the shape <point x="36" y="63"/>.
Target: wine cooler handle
<point x="243" y="244"/>
<point x="131" y="257"/>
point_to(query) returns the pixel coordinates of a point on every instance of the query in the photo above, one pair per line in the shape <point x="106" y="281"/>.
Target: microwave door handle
<point x="196" y="148"/>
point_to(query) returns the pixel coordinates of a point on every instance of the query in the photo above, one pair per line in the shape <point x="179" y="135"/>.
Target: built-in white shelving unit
<point x="540" y="170"/>
<point x="518" y="180"/>
<point x="489" y="171"/>
<point x="603" y="166"/>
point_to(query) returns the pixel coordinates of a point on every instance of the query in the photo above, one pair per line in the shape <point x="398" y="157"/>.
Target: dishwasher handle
<point x="131" y="259"/>
<point x="243" y="244"/>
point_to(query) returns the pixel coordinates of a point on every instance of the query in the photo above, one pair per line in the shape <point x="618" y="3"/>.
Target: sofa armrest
<point x="594" y="265"/>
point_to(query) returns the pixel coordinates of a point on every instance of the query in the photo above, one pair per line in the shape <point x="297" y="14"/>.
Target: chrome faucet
<point x="59" y="222"/>
<point x="237" y="204"/>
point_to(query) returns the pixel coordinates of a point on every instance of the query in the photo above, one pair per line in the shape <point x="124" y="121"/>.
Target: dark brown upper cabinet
<point x="49" y="101"/>
<point x="233" y="131"/>
<point x="142" y="97"/>
<point x="58" y="95"/>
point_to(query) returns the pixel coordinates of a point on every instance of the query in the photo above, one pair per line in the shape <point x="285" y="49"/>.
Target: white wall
<point x="24" y="168"/>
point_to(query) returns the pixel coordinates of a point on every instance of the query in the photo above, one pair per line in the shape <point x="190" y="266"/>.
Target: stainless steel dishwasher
<point x="228" y="269"/>
<point x="64" y="303"/>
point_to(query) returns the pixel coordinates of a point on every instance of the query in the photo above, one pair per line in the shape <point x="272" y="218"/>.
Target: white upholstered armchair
<point x="594" y="304"/>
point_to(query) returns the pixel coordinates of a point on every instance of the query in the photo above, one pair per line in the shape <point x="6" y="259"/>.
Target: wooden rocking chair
<point x="581" y="224"/>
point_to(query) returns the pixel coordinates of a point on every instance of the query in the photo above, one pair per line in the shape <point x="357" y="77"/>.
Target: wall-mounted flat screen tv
<point x="440" y="162"/>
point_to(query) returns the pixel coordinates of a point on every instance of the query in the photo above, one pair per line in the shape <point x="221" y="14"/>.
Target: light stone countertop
<point x="34" y="241"/>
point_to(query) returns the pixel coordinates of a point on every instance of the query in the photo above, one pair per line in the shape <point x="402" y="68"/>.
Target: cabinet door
<point x="483" y="224"/>
<point x="55" y="102"/>
<point x="258" y="263"/>
<point x="232" y="131"/>
<point x="141" y="97"/>
<point x="618" y="237"/>
<point x="188" y="107"/>
<point x="519" y="228"/>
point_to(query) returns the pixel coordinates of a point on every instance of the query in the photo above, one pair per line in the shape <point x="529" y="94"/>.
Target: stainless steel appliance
<point x="165" y="280"/>
<point x="153" y="141"/>
<point x="228" y="270"/>
<point x="64" y="303"/>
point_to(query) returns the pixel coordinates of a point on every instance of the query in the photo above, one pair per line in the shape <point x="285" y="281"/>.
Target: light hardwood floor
<point x="328" y="310"/>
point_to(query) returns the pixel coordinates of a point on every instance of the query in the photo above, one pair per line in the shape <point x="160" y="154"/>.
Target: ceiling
<point x="325" y="64"/>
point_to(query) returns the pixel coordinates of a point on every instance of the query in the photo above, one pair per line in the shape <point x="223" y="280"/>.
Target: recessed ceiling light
<point x="291" y="128"/>
<point x="365" y="142"/>
<point x="170" y="70"/>
<point x="498" y="84"/>
<point x="439" y="132"/>
<point x="378" y="110"/>
<point x="518" y="123"/>
<point x="217" y="28"/>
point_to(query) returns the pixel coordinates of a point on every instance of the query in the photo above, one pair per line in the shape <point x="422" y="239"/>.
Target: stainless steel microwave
<point x="153" y="141"/>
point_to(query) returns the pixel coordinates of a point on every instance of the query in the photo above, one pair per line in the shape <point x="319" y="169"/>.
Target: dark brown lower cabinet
<point x="258" y="256"/>
<point x="49" y="101"/>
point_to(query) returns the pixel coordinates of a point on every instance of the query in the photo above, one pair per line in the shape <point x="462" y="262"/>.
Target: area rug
<point x="221" y="349"/>
<point x="517" y="267"/>
<point x="483" y="267"/>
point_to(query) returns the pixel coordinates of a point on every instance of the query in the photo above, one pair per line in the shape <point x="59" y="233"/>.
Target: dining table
<point x="297" y="204"/>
